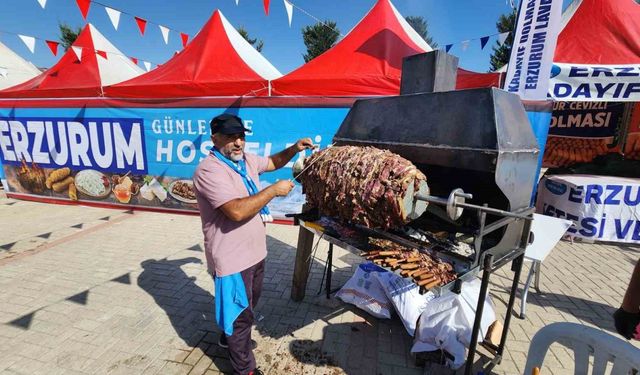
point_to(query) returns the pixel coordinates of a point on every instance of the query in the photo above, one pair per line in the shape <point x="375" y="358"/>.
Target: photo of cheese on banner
<point x="581" y="131"/>
<point x="93" y="184"/>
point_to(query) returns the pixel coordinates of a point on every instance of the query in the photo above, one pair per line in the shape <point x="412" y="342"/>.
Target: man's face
<point x="230" y="145"/>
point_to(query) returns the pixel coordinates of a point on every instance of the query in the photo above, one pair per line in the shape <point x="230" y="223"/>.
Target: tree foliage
<point x="256" y="43"/>
<point x="421" y="26"/>
<point x="68" y="35"/>
<point x="500" y="55"/>
<point x="319" y="38"/>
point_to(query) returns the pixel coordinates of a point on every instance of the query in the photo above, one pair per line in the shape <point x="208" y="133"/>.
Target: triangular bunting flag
<point x="78" y="52"/>
<point x="483" y="41"/>
<point x="114" y="16"/>
<point x="135" y="60"/>
<point x="464" y="44"/>
<point x="80" y="298"/>
<point x="502" y="38"/>
<point x="196" y="247"/>
<point x="266" y="6"/>
<point x="4" y="72"/>
<point x="53" y="46"/>
<point x="45" y="235"/>
<point x="29" y="41"/>
<point x="237" y="2"/>
<point x="185" y="39"/>
<point x="165" y="33"/>
<point x="448" y="47"/>
<point x="124" y="279"/>
<point x="289" y="7"/>
<point x="84" y="7"/>
<point x="43" y="3"/>
<point x="8" y="246"/>
<point x="147" y="65"/>
<point x="23" y="321"/>
<point x="102" y="53"/>
<point x="142" y="24"/>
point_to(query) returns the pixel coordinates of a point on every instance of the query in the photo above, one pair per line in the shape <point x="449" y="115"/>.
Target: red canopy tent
<point x="368" y="61"/>
<point x="597" y="58"/>
<point x="218" y="62"/>
<point x="600" y="32"/>
<point x="469" y="80"/>
<point x="100" y="64"/>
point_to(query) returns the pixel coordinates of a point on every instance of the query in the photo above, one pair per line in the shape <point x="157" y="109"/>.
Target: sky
<point x="449" y="22"/>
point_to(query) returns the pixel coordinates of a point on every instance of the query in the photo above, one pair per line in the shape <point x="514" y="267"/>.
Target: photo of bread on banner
<point x="60" y="180"/>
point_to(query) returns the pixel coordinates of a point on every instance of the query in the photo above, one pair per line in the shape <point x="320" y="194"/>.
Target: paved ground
<point x="85" y="290"/>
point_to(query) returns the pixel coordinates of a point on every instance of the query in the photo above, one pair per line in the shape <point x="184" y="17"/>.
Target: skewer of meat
<point x="426" y="271"/>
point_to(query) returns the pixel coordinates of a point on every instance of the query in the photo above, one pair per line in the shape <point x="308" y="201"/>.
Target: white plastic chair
<point x="585" y="341"/>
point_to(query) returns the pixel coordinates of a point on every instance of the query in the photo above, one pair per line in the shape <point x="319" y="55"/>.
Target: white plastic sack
<point x="447" y="323"/>
<point x="405" y="297"/>
<point x="364" y="291"/>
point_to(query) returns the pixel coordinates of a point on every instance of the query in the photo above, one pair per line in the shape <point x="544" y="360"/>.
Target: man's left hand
<point x="304" y="144"/>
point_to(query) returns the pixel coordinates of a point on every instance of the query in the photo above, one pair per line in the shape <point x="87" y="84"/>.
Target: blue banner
<point x="156" y="149"/>
<point x="107" y="144"/>
<point x="586" y="119"/>
<point x="540" y="124"/>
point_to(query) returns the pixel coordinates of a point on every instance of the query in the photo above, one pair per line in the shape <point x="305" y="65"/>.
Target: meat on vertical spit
<point x="364" y="185"/>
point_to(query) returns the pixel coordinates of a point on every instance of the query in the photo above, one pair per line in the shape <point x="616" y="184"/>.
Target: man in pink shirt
<point x="234" y="213"/>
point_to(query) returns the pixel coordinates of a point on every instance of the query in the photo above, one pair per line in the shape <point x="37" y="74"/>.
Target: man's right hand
<point x="282" y="188"/>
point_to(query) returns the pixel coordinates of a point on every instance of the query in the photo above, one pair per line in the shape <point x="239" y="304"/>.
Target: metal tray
<point x="330" y="230"/>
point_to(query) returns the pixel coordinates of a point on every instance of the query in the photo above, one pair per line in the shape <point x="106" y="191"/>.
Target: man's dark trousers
<point x="240" y="347"/>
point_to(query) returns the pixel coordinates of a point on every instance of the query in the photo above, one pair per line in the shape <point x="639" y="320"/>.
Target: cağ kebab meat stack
<point x="425" y="270"/>
<point x="364" y="185"/>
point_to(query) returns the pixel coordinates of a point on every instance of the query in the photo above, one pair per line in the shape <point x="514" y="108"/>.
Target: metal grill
<point x="479" y="154"/>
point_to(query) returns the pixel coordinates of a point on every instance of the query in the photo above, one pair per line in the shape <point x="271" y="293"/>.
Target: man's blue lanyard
<point x="241" y="168"/>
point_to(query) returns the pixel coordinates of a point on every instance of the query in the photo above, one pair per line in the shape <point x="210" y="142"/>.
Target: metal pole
<point x="484" y="287"/>
<point x="496" y="211"/>
<point x="525" y="290"/>
<point x="517" y="268"/>
<point x="302" y="263"/>
<point x="329" y="271"/>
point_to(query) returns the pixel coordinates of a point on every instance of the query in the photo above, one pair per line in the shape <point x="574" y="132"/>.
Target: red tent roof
<point x="217" y="62"/>
<point x="368" y="61"/>
<point x="468" y="80"/>
<point x="73" y="77"/>
<point x="600" y="32"/>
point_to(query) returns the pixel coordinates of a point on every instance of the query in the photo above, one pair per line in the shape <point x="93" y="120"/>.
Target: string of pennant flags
<point x="114" y="16"/>
<point x="501" y="38"/>
<point x="30" y="43"/>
